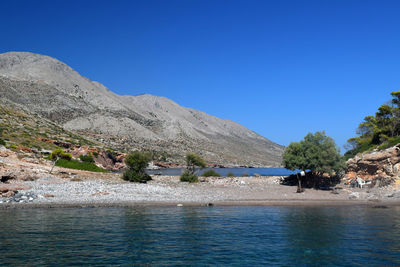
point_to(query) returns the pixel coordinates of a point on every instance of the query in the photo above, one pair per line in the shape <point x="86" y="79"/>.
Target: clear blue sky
<point x="281" y="68"/>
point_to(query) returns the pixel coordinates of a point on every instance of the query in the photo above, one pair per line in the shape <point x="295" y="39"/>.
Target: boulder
<point x="385" y="163"/>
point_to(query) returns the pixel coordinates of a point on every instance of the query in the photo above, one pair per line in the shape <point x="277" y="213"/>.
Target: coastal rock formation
<point x="50" y="88"/>
<point x="385" y="163"/>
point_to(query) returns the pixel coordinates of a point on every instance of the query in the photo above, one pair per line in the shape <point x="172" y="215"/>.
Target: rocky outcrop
<point x="385" y="163"/>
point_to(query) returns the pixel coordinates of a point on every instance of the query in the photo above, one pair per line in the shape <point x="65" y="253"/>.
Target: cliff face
<point x="50" y="88"/>
<point x="385" y="163"/>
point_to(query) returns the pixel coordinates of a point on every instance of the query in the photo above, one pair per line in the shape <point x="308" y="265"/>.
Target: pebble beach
<point x="32" y="185"/>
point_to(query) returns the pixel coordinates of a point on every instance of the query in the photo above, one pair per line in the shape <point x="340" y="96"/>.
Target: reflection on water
<point x="339" y="236"/>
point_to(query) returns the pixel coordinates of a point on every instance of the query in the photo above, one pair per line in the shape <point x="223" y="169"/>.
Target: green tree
<point x="59" y="154"/>
<point x="317" y="153"/>
<point x="379" y="131"/>
<point x="137" y="162"/>
<point x="294" y="159"/>
<point x="192" y="161"/>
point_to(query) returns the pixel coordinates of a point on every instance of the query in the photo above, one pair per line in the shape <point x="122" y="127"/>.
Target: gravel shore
<point x="32" y="185"/>
<point x="110" y="190"/>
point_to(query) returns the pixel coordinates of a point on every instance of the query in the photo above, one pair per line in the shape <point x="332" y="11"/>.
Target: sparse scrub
<point x="211" y="173"/>
<point x="137" y="163"/>
<point x="245" y="174"/>
<point x="230" y="174"/>
<point x="192" y="161"/>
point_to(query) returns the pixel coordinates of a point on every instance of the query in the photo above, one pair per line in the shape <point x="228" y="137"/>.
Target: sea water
<point x="201" y="236"/>
<point x="225" y="171"/>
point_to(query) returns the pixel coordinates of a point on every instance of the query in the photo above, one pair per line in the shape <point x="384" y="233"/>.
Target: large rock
<point x="385" y="163"/>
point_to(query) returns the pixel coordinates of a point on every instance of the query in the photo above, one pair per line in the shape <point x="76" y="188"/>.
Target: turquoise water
<point x="201" y="236"/>
<point x="225" y="171"/>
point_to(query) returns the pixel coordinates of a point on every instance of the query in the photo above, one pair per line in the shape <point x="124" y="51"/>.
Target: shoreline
<point x="232" y="203"/>
<point x="31" y="185"/>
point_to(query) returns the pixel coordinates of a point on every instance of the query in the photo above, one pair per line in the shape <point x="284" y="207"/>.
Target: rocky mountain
<point x="53" y="90"/>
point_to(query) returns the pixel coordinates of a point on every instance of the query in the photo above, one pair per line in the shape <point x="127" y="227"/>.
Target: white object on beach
<point x="360" y="182"/>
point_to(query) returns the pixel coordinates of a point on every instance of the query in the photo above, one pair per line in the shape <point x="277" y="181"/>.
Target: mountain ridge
<point x="54" y="90"/>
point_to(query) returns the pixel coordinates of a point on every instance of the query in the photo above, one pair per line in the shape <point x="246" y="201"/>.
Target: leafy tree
<point x="192" y="161"/>
<point x="59" y="154"/>
<point x="377" y="131"/>
<point x="294" y="159"/>
<point x="137" y="162"/>
<point x="317" y="153"/>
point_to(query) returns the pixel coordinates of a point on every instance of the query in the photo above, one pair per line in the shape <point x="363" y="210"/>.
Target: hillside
<point x="53" y="90"/>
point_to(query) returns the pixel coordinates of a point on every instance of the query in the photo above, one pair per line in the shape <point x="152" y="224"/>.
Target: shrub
<point x="392" y="141"/>
<point x="78" y="165"/>
<point x="211" y="173"/>
<point x="245" y="174"/>
<point x="133" y="176"/>
<point x="61" y="154"/>
<point x="187" y="176"/>
<point x="2" y="142"/>
<point x="87" y="158"/>
<point x="13" y="146"/>
<point x="137" y="163"/>
<point x="230" y="174"/>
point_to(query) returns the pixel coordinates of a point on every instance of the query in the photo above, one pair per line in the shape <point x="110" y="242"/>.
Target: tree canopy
<point x="192" y="161"/>
<point x="381" y="130"/>
<point x="317" y="153"/>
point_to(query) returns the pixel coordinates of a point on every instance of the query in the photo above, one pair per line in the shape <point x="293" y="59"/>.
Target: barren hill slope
<point x="46" y="86"/>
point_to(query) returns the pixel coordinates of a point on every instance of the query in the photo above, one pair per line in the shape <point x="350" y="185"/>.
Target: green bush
<point x="13" y="146"/>
<point x="87" y="158"/>
<point x="2" y="142"/>
<point x="230" y="174"/>
<point x="392" y="141"/>
<point x="211" y="173"/>
<point x="78" y="165"/>
<point x="187" y="176"/>
<point x="60" y="154"/>
<point x="133" y="176"/>
<point x="137" y="163"/>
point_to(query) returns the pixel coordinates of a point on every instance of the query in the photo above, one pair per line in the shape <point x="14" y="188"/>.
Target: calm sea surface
<point x="225" y="171"/>
<point x="201" y="236"/>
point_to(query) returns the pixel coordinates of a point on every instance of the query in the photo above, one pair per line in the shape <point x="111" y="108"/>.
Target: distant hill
<point x="50" y="88"/>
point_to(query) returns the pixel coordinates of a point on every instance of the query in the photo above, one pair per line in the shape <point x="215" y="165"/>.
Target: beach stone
<point x="9" y="194"/>
<point x="354" y="195"/>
